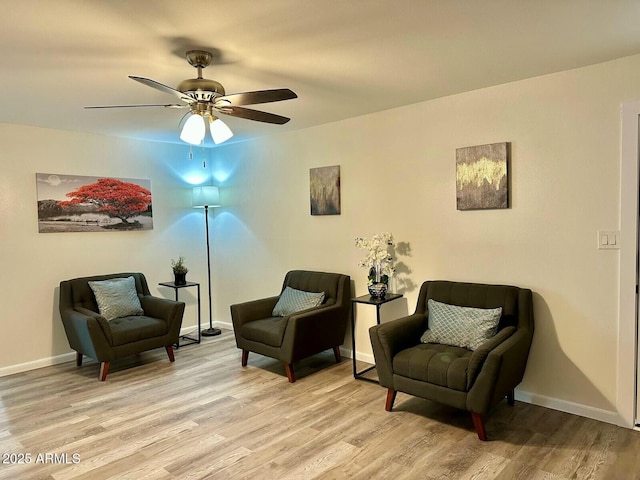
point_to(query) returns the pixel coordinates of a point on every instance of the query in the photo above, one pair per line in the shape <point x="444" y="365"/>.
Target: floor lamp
<point x="207" y="196"/>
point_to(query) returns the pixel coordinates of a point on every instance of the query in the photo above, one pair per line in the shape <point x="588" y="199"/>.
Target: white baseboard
<point x="362" y="357"/>
<point x="35" y="364"/>
<point x="193" y="329"/>
<point x="225" y="325"/>
<point x="607" y="416"/>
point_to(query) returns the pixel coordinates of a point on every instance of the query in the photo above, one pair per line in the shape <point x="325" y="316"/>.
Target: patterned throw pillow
<point x="292" y="301"/>
<point x="117" y="297"/>
<point x="465" y="327"/>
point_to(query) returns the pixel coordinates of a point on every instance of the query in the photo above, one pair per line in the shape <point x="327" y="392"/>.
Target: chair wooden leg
<point x="290" y="375"/>
<point x="104" y="370"/>
<point x="478" y="423"/>
<point x="511" y="398"/>
<point x="336" y="352"/>
<point x="78" y="359"/>
<point x="169" y="350"/>
<point x="245" y="357"/>
<point x="391" y="397"/>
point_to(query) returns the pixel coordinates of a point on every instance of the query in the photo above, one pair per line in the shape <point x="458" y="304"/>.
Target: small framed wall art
<point x="324" y="190"/>
<point x="482" y="177"/>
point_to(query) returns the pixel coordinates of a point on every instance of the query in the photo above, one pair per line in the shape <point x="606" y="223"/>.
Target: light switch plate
<point x="608" y="239"/>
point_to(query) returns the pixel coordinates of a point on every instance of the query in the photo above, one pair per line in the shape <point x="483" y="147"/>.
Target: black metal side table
<point x="367" y="300"/>
<point x="190" y="340"/>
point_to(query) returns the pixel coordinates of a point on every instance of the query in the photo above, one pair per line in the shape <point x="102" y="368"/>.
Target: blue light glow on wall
<point x="207" y="166"/>
<point x="193" y="177"/>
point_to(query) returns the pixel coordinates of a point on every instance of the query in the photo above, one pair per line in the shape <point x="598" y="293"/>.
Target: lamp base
<point x="211" y="332"/>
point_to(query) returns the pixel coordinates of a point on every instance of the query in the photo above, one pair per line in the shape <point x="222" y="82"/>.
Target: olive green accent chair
<point x="90" y="334"/>
<point x="301" y="334"/>
<point x="469" y="380"/>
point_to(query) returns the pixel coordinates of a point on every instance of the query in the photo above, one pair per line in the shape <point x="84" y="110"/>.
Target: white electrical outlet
<point x="608" y="239"/>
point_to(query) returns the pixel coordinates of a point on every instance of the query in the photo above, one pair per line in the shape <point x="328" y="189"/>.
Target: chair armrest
<point x="399" y="334"/>
<point x="85" y="333"/>
<point x="313" y="330"/>
<point x="242" y="313"/>
<point x="103" y="322"/>
<point x="501" y="372"/>
<point x="392" y="337"/>
<point x="162" y="308"/>
<point x="170" y="311"/>
<point x="480" y="354"/>
<point x="87" y="312"/>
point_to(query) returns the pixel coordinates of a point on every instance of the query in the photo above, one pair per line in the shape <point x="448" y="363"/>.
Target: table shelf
<point x="366" y="300"/>
<point x="189" y="339"/>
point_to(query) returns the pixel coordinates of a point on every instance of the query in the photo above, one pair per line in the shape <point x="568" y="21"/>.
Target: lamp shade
<point x="193" y="130"/>
<point x="206" y="196"/>
<point x="220" y="132"/>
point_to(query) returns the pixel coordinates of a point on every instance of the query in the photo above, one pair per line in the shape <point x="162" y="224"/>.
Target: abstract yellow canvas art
<point x="482" y="177"/>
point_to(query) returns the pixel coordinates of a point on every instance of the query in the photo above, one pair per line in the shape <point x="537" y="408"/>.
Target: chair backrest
<point x="77" y="292"/>
<point x="516" y="303"/>
<point x="336" y="286"/>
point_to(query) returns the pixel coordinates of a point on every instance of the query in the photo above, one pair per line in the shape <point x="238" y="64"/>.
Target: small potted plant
<point x="179" y="271"/>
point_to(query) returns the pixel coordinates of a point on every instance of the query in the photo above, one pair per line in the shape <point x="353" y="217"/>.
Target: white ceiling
<point x="344" y="58"/>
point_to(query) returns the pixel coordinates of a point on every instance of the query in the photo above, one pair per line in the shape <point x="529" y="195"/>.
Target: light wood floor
<point x="205" y="416"/>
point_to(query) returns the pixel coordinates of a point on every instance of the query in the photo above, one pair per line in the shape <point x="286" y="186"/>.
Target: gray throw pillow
<point x="465" y="327"/>
<point x="292" y="301"/>
<point x="117" y="297"/>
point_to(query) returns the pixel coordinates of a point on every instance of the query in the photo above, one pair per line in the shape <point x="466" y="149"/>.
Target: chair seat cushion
<point x="132" y="329"/>
<point x="443" y="365"/>
<point x="268" y="330"/>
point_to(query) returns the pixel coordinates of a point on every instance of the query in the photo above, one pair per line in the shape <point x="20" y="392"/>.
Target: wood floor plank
<point x="207" y="417"/>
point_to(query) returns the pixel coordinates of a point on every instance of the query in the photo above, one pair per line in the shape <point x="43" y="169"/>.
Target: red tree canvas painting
<point x="73" y="203"/>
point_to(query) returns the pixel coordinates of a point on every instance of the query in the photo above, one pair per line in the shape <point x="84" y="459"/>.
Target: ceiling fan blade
<point x="256" y="115"/>
<point x="163" y="88"/>
<point x="171" y="105"/>
<point x="253" y="98"/>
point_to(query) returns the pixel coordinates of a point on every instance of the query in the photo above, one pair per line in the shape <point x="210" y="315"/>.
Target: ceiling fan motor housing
<point x="201" y="89"/>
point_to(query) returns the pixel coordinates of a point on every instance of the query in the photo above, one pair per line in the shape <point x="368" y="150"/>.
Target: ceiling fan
<point x="205" y="98"/>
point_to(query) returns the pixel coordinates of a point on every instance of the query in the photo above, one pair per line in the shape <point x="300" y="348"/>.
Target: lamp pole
<point x="209" y="332"/>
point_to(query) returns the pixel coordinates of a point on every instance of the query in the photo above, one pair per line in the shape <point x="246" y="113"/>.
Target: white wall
<point x="398" y="175"/>
<point x="34" y="263"/>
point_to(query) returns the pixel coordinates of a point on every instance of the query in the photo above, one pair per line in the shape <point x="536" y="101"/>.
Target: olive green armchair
<point x="469" y="379"/>
<point x="91" y="334"/>
<point x="294" y="336"/>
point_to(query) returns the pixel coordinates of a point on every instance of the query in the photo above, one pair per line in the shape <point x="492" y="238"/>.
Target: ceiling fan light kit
<point x="220" y="132"/>
<point x="193" y="130"/>
<point x="203" y="97"/>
